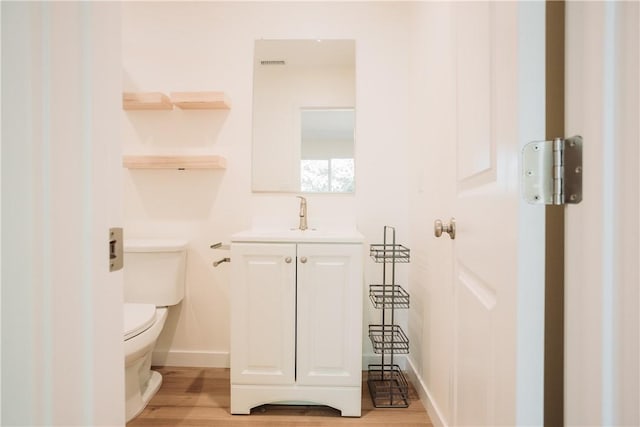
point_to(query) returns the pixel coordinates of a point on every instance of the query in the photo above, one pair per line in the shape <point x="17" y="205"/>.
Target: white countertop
<point x="298" y="236"/>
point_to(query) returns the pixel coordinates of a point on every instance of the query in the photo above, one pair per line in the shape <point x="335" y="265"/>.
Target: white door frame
<point x="602" y="257"/>
<point x="62" y="352"/>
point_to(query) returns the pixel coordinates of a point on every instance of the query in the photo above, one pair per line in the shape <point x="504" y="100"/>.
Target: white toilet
<point x="154" y="275"/>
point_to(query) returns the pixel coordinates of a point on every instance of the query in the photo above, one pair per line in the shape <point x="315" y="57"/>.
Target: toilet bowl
<point x="154" y="273"/>
<point x="142" y="326"/>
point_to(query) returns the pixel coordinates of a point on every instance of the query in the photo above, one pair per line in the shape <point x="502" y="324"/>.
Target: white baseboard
<point x="201" y="359"/>
<point x="425" y="397"/>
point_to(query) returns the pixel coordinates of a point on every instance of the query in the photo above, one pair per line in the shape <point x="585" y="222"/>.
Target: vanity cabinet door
<point x="263" y="313"/>
<point x="329" y="314"/>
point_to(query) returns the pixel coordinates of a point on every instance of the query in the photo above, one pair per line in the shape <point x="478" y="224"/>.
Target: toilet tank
<point x="154" y="271"/>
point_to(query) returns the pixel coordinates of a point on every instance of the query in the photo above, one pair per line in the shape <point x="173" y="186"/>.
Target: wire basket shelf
<point x="388" y="386"/>
<point x="389" y="253"/>
<point x="388" y="338"/>
<point x="388" y="296"/>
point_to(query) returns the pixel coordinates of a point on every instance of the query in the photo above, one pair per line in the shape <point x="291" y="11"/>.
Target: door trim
<point x="554" y="223"/>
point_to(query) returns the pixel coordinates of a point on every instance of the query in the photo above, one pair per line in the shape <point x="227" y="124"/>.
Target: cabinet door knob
<point x="288" y="260"/>
<point x="303" y="259"/>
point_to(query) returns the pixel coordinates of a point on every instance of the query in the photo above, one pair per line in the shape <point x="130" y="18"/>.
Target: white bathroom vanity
<point x="296" y="319"/>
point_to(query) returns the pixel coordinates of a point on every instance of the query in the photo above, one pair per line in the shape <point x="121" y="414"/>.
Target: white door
<point x="601" y="236"/>
<point x="62" y="333"/>
<point x="263" y="313"/>
<point x="329" y="314"/>
<point x="499" y="246"/>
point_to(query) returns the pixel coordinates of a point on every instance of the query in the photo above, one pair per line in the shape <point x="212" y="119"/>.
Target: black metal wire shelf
<point x="388" y="296"/>
<point x="388" y="386"/>
<point x="388" y="338"/>
<point x="389" y="253"/>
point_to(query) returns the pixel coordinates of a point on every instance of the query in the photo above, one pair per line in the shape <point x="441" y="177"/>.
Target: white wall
<point x="173" y="46"/>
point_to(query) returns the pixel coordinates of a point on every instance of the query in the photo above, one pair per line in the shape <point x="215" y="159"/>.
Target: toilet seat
<point x="138" y="318"/>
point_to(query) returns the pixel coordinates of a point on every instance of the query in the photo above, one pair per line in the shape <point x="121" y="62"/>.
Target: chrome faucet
<point x="303" y="213"/>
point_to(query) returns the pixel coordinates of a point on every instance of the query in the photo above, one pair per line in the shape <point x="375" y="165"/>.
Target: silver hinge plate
<point x="552" y="171"/>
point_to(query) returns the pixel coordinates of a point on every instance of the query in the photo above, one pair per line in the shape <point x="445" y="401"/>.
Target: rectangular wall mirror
<point x="304" y="116"/>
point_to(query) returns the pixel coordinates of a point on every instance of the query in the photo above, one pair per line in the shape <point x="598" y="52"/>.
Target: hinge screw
<point x="573" y="197"/>
<point x="579" y="169"/>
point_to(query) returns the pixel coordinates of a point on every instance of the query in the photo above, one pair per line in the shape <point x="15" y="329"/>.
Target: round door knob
<point x="439" y="228"/>
<point x="303" y="259"/>
<point x="288" y="260"/>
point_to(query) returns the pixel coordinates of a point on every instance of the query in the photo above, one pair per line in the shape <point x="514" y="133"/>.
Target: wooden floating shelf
<point x="201" y="100"/>
<point x="174" y="162"/>
<point x="182" y="100"/>
<point x="146" y="101"/>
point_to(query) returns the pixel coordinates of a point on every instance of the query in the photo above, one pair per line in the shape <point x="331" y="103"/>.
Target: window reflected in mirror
<point x="327" y="150"/>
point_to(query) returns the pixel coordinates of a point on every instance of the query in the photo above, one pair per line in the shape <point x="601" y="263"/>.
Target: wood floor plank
<point x="200" y="397"/>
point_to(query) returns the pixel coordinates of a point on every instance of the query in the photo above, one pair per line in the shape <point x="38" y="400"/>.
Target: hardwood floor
<point x="200" y="397"/>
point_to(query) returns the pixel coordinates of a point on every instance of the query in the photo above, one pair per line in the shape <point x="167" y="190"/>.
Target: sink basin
<point x="310" y="235"/>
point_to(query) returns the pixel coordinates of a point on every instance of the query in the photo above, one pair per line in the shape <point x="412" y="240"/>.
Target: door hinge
<point x="552" y="171"/>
